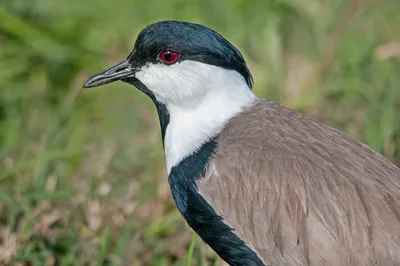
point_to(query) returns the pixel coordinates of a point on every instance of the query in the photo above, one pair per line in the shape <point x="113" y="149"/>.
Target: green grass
<point x="191" y="249"/>
<point x="82" y="175"/>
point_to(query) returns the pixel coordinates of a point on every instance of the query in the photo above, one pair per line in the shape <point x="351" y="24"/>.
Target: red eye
<point x="169" y="57"/>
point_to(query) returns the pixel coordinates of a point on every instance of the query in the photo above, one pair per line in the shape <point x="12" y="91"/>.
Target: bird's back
<point x="298" y="192"/>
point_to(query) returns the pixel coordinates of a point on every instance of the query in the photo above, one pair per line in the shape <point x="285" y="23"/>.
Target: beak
<point x="118" y="72"/>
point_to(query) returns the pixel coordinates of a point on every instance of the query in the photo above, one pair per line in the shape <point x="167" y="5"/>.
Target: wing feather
<point x="301" y="193"/>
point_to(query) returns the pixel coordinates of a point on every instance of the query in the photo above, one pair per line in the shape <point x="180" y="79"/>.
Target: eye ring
<point x="169" y="57"/>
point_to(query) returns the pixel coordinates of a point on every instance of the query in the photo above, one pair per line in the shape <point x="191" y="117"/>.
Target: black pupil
<point x="168" y="57"/>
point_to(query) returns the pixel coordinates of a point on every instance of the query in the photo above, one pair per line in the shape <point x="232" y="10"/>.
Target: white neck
<point x="192" y="125"/>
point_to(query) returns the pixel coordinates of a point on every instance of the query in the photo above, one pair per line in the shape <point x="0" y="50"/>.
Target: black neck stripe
<point x="201" y="216"/>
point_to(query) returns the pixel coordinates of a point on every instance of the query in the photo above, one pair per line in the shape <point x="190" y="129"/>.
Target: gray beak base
<point x="118" y="72"/>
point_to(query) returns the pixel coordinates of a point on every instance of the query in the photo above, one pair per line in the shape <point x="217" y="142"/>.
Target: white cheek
<point x="184" y="81"/>
<point x="153" y="76"/>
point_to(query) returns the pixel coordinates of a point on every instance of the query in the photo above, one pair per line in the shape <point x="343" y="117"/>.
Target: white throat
<point x="192" y="126"/>
<point x="200" y="98"/>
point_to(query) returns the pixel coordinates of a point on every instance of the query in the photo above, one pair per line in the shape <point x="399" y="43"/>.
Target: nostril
<point x="120" y="69"/>
<point x="117" y="70"/>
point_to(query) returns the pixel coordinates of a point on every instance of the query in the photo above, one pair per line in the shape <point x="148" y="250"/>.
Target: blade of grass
<point x="191" y="249"/>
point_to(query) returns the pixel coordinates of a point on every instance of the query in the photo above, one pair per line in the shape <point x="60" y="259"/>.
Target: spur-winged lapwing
<point x="258" y="182"/>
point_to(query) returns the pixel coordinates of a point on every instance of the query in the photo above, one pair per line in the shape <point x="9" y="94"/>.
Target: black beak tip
<point x="88" y="84"/>
<point x="94" y="81"/>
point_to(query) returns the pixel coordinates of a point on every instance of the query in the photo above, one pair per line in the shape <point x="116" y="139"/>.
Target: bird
<point x="260" y="183"/>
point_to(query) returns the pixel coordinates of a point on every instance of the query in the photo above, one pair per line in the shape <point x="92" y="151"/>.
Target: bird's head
<point x="196" y="78"/>
<point x="178" y="63"/>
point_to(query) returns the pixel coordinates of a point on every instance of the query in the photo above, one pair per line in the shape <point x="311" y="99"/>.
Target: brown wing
<point x="301" y="193"/>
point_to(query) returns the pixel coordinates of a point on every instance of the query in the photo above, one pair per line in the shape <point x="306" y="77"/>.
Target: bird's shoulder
<point x="297" y="190"/>
<point x="269" y="131"/>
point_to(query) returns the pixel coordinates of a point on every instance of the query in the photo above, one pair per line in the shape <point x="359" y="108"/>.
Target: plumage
<point x="258" y="182"/>
<point x="299" y="192"/>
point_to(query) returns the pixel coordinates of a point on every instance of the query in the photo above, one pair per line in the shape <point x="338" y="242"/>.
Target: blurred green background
<point x="82" y="177"/>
